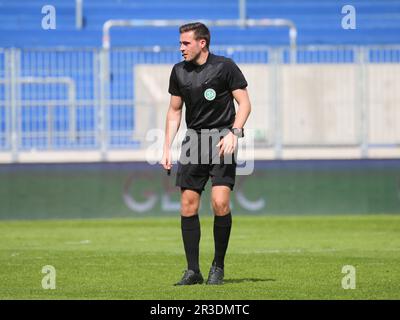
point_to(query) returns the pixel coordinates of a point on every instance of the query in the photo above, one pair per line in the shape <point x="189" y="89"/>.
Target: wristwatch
<point x="238" y="132"/>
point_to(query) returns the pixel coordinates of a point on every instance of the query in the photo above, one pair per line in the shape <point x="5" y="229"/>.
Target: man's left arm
<point x="229" y="143"/>
<point x="242" y="98"/>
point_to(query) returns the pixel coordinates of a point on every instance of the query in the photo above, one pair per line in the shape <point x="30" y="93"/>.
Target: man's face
<point x="190" y="47"/>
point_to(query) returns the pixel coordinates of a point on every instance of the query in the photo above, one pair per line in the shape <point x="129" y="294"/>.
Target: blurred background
<point x="83" y="83"/>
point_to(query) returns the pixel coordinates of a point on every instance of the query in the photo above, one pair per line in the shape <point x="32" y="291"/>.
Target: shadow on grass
<point x="247" y="280"/>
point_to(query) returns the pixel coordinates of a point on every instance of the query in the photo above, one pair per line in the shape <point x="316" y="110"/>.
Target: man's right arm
<point x="173" y="121"/>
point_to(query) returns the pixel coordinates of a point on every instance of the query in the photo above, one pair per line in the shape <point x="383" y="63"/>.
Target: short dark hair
<point x="200" y="31"/>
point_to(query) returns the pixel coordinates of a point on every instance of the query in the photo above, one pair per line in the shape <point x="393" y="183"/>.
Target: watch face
<point x="238" y="132"/>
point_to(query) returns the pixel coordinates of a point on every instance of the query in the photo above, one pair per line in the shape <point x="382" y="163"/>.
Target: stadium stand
<point x="378" y="22"/>
<point x="73" y="112"/>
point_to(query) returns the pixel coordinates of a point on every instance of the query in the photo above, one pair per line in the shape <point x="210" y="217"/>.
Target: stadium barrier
<point x="137" y="189"/>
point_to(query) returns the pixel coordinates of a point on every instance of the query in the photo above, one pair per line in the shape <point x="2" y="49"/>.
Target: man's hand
<point x="166" y="160"/>
<point x="227" y="144"/>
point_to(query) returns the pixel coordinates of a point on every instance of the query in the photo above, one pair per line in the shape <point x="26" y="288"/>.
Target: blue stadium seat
<point x="318" y="22"/>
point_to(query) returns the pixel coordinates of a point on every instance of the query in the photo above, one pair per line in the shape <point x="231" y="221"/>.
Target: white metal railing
<point x="334" y="102"/>
<point x="71" y="99"/>
<point x="79" y="14"/>
<point x="71" y="103"/>
<point x="211" y="23"/>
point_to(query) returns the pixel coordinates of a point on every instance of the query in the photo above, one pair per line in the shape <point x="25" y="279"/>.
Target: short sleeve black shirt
<point x="207" y="91"/>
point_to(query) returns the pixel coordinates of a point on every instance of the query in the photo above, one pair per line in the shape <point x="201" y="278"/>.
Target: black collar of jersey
<point x="192" y="66"/>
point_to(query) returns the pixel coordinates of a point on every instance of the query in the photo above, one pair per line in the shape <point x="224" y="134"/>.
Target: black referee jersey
<point x="207" y="91"/>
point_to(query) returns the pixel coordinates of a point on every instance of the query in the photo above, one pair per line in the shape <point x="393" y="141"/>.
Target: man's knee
<point x="220" y="207"/>
<point x="189" y="204"/>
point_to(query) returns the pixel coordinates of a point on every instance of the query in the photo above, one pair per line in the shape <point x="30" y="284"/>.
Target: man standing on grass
<point x="207" y="84"/>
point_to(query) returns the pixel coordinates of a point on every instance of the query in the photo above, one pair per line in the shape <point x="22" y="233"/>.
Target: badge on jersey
<point x="210" y="94"/>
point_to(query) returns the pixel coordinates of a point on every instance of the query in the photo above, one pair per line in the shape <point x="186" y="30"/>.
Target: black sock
<point x="222" y="231"/>
<point x="191" y="238"/>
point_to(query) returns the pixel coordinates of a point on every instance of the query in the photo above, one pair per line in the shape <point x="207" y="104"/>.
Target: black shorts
<point x="194" y="175"/>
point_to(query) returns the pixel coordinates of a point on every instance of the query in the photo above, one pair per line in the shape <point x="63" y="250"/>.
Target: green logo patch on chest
<point x="210" y="94"/>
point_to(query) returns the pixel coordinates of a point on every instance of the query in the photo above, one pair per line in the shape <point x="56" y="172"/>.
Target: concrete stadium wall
<point x="107" y="190"/>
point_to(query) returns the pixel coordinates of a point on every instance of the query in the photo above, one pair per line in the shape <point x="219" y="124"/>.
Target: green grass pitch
<point x="269" y="257"/>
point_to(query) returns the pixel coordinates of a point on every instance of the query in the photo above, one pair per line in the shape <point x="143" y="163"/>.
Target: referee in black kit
<point x="207" y="84"/>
